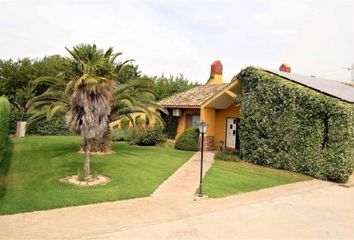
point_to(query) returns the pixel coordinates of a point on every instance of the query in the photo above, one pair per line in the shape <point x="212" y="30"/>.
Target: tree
<point x="165" y="87"/>
<point x="21" y="99"/>
<point x="130" y="98"/>
<point x="53" y="102"/>
<point x="128" y="72"/>
<point x="90" y="92"/>
<point x="136" y="96"/>
<point x="17" y="79"/>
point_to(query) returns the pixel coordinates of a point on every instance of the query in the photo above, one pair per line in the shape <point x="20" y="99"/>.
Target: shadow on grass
<point x="60" y="150"/>
<point x="71" y="167"/>
<point x="4" y="168"/>
<point x="123" y="149"/>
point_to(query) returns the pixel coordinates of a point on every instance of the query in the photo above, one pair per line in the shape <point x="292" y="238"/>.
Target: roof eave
<point x="212" y="98"/>
<point x="181" y="106"/>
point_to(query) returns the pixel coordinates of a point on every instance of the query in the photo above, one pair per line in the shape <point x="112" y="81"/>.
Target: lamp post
<point x="203" y="127"/>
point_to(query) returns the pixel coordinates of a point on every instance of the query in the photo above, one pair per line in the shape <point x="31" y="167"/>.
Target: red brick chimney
<point x="285" y="68"/>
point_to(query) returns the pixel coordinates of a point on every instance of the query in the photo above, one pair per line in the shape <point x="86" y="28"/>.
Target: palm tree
<point x="90" y="94"/>
<point x="136" y="96"/>
<point x="128" y="99"/>
<point x="53" y="102"/>
<point x="92" y="70"/>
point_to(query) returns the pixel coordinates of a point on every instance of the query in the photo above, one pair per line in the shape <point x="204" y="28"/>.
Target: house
<point x="215" y="103"/>
<point x="138" y="118"/>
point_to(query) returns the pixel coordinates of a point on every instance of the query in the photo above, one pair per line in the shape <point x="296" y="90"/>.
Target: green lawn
<point x="29" y="176"/>
<point x="226" y="178"/>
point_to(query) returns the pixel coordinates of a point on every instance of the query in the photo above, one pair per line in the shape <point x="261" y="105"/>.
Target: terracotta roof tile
<point x="194" y="97"/>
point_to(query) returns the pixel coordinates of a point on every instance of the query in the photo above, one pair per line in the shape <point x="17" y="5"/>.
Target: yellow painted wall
<point x="208" y="115"/>
<point x="118" y="123"/>
<point x="216" y="119"/>
<point x="152" y="120"/>
<point x="182" y="124"/>
<point x="217" y="78"/>
<point x="220" y="121"/>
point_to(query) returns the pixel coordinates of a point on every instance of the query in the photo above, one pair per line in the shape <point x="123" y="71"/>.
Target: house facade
<point x="214" y="103"/>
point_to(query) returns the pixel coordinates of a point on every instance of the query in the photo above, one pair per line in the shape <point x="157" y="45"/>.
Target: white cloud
<point x="172" y="37"/>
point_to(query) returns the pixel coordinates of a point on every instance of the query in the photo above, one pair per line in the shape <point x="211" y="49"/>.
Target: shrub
<point x="227" y="156"/>
<point x="285" y="125"/>
<point x="149" y="136"/>
<point x="123" y="134"/>
<point x="43" y="128"/>
<point x="188" y="140"/>
<point x="4" y="125"/>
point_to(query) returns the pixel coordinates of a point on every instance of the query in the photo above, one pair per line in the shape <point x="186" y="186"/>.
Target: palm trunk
<point x="103" y="144"/>
<point x="87" y="160"/>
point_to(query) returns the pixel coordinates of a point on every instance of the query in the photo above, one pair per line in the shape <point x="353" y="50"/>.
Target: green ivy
<point x="4" y="125"/>
<point x="285" y="125"/>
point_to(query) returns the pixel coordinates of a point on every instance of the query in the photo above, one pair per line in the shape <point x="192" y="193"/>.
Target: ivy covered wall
<point x="4" y="125"/>
<point x="288" y="126"/>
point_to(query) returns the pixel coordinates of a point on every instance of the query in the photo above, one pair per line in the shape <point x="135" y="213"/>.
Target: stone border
<point x="97" y="153"/>
<point x="73" y="180"/>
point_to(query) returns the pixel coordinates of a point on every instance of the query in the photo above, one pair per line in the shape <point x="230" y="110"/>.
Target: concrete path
<point x="185" y="181"/>
<point x="305" y="210"/>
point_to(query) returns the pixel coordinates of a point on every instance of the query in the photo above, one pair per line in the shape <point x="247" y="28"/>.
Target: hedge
<point x="227" y="156"/>
<point x="188" y="140"/>
<point x="149" y="136"/>
<point x="123" y="134"/>
<point x="43" y="127"/>
<point x="4" y="125"/>
<point x="285" y="125"/>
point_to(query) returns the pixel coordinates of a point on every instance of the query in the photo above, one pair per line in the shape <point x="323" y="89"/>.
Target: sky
<point x="186" y="36"/>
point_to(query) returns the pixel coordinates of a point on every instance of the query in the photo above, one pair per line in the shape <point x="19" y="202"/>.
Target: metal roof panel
<point x="332" y="88"/>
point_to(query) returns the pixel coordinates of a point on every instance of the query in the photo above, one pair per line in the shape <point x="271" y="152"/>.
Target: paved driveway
<point x="322" y="213"/>
<point x="304" y="210"/>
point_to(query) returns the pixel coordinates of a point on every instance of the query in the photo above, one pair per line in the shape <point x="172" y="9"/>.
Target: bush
<point x="123" y="134"/>
<point x="43" y="128"/>
<point x="188" y="140"/>
<point x="285" y="125"/>
<point x="4" y="125"/>
<point x="227" y="156"/>
<point x="149" y="136"/>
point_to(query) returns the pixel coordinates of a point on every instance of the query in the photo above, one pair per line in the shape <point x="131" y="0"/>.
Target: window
<point x="193" y="121"/>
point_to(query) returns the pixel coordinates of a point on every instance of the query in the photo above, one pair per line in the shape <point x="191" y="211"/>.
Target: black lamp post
<point x="203" y="127"/>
